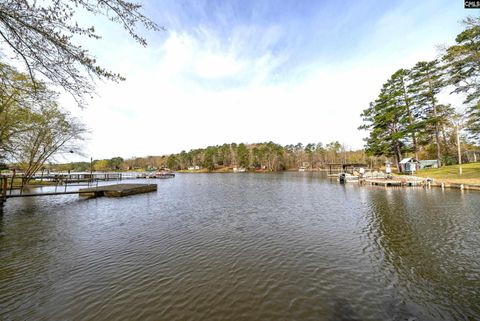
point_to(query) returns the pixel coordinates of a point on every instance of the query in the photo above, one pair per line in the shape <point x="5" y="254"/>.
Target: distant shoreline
<point x="229" y="170"/>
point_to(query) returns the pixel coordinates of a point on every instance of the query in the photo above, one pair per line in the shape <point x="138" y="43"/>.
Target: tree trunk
<point x="410" y="121"/>
<point x="437" y="136"/>
<point x="398" y="156"/>
<point x="459" y="152"/>
<point x="437" y="129"/>
<point x="445" y="142"/>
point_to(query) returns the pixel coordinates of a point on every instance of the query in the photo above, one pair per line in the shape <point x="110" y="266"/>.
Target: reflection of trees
<point x="1" y="220"/>
<point x="415" y="244"/>
<point x="28" y="245"/>
<point x="396" y="235"/>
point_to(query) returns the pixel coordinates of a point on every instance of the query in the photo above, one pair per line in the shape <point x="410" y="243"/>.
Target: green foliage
<point x="463" y="66"/>
<point x="427" y="80"/>
<point x="385" y="119"/>
<point x="115" y="163"/>
<point x="407" y="116"/>
<point x="172" y="162"/>
<point x="243" y="156"/>
<point x="16" y="105"/>
<point x="33" y="128"/>
<point x="101" y="165"/>
<point x="209" y="158"/>
<point x="261" y="156"/>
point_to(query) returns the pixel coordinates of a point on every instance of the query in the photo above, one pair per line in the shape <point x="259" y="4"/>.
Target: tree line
<point x="267" y="156"/>
<point x="407" y="117"/>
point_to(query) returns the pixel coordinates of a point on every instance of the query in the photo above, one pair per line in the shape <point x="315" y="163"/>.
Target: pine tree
<point x="427" y="81"/>
<point x="386" y="121"/>
<point x="404" y="100"/>
<point x="463" y="62"/>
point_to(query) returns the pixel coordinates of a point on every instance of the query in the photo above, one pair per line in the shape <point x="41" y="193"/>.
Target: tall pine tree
<point x="404" y="100"/>
<point x="463" y="62"/>
<point x="427" y="81"/>
<point x="386" y="121"/>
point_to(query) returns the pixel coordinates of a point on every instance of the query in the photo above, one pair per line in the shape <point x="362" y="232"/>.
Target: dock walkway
<point x="394" y="182"/>
<point x="116" y="190"/>
<point x="417" y="181"/>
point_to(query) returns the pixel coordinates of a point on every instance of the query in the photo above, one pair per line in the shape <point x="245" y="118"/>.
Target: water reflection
<point x="343" y="311"/>
<point x="291" y="246"/>
<point x="422" y="250"/>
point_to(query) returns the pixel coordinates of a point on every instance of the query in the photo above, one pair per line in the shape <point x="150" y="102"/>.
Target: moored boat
<point x="345" y="177"/>
<point x="164" y="174"/>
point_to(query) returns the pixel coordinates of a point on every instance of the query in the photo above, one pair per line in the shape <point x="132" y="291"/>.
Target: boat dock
<point x="115" y="190"/>
<point x="426" y="182"/>
<point x="79" y="178"/>
<point x="394" y="182"/>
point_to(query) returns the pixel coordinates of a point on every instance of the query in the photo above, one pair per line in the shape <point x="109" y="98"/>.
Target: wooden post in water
<point x="11" y="183"/>
<point x="3" y="187"/>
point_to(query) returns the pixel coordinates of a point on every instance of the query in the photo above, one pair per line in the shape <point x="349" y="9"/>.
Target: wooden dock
<point x="393" y="182"/>
<point x="80" y="177"/>
<point x="117" y="190"/>
<point x="427" y="183"/>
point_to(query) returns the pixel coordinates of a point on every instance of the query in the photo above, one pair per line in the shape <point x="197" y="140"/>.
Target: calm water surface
<point x="291" y="246"/>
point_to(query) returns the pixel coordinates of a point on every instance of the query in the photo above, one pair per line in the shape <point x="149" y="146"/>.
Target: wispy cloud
<point x="253" y="71"/>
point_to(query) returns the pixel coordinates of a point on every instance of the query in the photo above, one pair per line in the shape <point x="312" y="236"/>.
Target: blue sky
<point x="252" y="71"/>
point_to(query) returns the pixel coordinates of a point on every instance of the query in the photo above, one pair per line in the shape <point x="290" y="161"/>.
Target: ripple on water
<point x="291" y="246"/>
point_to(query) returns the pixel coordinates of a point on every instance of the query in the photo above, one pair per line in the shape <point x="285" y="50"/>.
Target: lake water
<point x="288" y="246"/>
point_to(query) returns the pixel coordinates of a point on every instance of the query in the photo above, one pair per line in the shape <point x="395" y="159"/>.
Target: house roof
<point x="408" y="160"/>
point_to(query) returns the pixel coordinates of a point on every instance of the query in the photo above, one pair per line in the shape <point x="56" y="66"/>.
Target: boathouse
<point x="409" y="165"/>
<point x="336" y="168"/>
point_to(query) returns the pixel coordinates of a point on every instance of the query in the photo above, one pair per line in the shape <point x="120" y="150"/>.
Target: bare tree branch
<point x="40" y="34"/>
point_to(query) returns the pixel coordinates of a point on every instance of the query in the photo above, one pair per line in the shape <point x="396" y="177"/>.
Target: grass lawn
<point x="471" y="174"/>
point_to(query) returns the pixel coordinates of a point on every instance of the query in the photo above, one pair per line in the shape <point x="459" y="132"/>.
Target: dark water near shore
<point x="291" y="246"/>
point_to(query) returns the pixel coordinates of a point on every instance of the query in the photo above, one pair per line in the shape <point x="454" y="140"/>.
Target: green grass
<point x="471" y="173"/>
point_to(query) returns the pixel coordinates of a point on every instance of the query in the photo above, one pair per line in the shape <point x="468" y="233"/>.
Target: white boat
<point x="164" y="174"/>
<point x="345" y="177"/>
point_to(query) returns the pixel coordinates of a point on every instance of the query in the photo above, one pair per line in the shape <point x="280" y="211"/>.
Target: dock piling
<point x="3" y="189"/>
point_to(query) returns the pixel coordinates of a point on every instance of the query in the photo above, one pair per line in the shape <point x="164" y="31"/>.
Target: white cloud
<point x="199" y="88"/>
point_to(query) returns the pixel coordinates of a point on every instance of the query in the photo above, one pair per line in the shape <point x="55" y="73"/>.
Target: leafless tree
<point x="41" y="35"/>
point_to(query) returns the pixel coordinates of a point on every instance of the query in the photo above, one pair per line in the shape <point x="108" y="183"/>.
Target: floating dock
<point x="394" y="182"/>
<point x="117" y="190"/>
<point x="418" y="182"/>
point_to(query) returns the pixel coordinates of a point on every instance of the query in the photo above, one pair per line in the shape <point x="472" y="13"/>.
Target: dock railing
<point x="80" y="177"/>
<point x="58" y="181"/>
